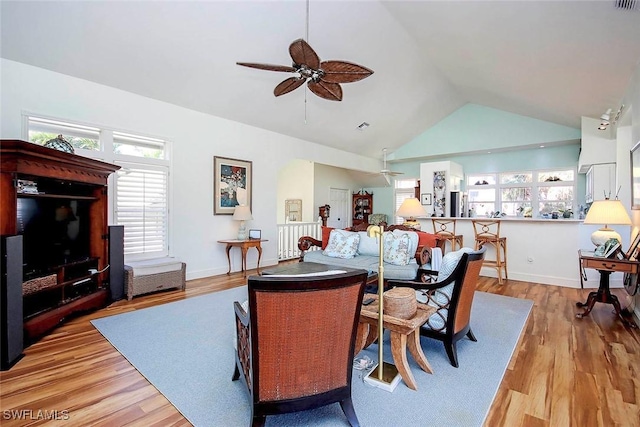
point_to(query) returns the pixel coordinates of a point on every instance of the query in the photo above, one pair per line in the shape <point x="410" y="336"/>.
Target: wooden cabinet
<point x="600" y="182"/>
<point x="362" y="207"/>
<point x="58" y="202"/>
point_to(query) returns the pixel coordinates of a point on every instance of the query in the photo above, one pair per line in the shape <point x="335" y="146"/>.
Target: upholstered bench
<point x="143" y="277"/>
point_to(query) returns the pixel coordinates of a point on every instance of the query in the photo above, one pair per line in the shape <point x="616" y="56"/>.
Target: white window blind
<point x="141" y="206"/>
<point x="404" y="189"/>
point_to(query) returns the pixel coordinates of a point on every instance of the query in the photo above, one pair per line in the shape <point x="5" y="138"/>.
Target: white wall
<point x="541" y="251"/>
<point x="327" y="177"/>
<point x="295" y="181"/>
<point x="196" y="138"/>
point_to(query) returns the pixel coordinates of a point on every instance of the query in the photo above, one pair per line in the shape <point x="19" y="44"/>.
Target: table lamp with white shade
<point x="606" y="212"/>
<point x="242" y="213"/>
<point x="410" y="209"/>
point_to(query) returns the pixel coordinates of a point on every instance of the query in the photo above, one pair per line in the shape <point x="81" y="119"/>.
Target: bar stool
<point x="487" y="232"/>
<point x="446" y="229"/>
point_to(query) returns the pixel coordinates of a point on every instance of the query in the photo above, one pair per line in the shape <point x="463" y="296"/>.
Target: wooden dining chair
<point x="487" y="233"/>
<point x="446" y="229"/>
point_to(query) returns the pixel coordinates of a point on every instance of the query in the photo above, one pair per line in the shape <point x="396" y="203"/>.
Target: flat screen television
<point x="55" y="232"/>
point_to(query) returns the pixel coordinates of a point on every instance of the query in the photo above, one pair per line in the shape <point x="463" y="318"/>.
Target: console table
<point x="244" y="246"/>
<point x="605" y="267"/>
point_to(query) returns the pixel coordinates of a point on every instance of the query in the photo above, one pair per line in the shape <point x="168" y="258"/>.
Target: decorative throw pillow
<point x="326" y="231"/>
<point x="450" y="262"/>
<point x="396" y="248"/>
<point x="368" y="245"/>
<point x="342" y="244"/>
<point x="440" y="298"/>
<point x="413" y="240"/>
<point x="427" y="239"/>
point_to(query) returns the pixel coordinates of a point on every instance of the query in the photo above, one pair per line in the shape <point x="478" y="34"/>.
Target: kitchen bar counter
<point x="541" y="250"/>
<point x="559" y="220"/>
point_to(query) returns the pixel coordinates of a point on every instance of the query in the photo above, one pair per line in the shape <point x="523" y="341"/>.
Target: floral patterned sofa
<point x="405" y="250"/>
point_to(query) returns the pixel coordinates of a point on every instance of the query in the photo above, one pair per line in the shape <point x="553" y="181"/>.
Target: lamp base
<point x="242" y="231"/>
<point x="411" y="223"/>
<point x="599" y="237"/>
<point x="390" y="377"/>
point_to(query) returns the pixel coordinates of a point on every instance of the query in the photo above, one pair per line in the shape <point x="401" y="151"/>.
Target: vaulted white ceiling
<point x="554" y="61"/>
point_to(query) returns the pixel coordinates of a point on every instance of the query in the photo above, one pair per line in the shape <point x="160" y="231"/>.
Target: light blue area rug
<point x="185" y="349"/>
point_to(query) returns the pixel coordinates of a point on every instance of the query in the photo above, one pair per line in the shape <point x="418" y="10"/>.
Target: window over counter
<point x="535" y="194"/>
<point x="139" y="192"/>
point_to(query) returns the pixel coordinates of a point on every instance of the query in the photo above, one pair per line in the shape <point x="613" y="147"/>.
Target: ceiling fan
<point x="386" y="173"/>
<point x="323" y="78"/>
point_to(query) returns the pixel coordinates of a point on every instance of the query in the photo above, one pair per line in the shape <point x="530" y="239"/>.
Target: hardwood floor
<point x="564" y="372"/>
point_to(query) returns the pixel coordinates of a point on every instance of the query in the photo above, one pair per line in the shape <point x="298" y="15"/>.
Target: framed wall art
<point x="231" y="184"/>
<point x="293" y="210"/>
<point x="425" y="198"/>
<point x="635" y="176"/>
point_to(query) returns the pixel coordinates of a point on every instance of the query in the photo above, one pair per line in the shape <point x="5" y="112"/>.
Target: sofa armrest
<point x="307" y="242"/>
<point x="423" y="255"/>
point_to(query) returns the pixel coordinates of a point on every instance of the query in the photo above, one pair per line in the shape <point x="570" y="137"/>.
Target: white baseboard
<point x="551" y="280"/>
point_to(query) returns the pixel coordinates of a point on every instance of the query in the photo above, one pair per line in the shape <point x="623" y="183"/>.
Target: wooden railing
<point x="288" y="235"/>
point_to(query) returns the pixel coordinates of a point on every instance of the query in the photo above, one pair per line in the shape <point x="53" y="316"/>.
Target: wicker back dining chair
<point x="446" y="229"/>
<point x="452" y="296"/>
<point x="296" y="342"/>
<point x="487" y="233"/>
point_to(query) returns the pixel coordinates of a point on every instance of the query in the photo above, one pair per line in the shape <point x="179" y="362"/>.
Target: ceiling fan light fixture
<point x="602" y="127"/>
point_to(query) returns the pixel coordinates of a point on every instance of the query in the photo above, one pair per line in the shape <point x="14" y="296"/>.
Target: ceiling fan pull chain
<point x="307" y="26"/>
<point x="305" y="88"/>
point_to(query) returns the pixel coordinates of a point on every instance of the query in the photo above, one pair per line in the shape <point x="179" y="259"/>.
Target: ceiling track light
<point x="606" y="118"/>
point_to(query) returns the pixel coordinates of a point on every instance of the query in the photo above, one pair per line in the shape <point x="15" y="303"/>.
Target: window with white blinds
<point x="404" y="189"/>
<point x="139" y="192"/>
<point x="141" y="206"/>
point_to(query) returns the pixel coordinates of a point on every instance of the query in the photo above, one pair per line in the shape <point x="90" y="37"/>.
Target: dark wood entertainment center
<point x="65" y="189"/>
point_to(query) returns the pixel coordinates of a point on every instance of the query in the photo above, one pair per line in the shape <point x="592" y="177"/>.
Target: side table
<point x="244" y="246"/>
<point x="605" y="267"/>
<point x="404" y="333"/>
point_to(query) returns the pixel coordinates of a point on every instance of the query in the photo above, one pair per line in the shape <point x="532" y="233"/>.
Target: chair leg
<point x="258" y="420"/>
<point x="471" y="336"/>
<point x="349" y="412"/>
<point x="498" y="245"/>
<point x="452" y="353"/>
<point x="236" y="373"/>
<point x="504" y="251"/>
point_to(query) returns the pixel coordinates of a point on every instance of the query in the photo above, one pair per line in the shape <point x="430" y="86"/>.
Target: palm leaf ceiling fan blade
<point x="303" y="54"/>
<point x="343" y="72"/>
<point x="288" y="85"/>
<point x="323" y="78"/>
<point x="268" y="67"/>
<point x="326" y="90"/>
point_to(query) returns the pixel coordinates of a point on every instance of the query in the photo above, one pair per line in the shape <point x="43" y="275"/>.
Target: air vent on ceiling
<point x="627" y="4"/>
